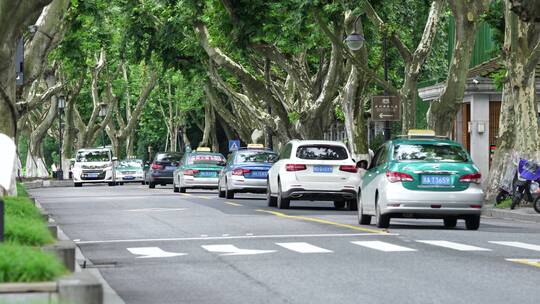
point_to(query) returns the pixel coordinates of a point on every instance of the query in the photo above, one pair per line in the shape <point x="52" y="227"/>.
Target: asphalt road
<point x="156" y="246"/>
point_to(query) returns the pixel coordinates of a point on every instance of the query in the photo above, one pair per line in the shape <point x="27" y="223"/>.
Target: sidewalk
<point x="522" y="214"/>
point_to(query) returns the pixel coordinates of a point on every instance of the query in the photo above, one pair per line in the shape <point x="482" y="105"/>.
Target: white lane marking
<point x="229" y="249"/>
<point x="518" y="245"/>
<point x="303" y="247"/>
<point x="455" y="246"/>
<point x="156" y="209"/>
<point x="153" y="252"/>
<point x="270" y="236"/>
<point x="382" y="246"/>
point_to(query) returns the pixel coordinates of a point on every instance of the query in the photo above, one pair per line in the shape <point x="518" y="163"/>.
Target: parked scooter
<point x="526" y="185"/>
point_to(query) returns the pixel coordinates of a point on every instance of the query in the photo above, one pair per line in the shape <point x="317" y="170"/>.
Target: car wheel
<point x="271" y="200"/>
<point x="363" y="219"/>
<point x="339" y="204"/>
<point x="221" y="193"/>
<point x="382" y="220"/>
<point x="352" y="205"/>
<point x="450" y="222"/>
<point x="182" y="189"/>
<point x="536" y="205"/>
<point x="282" y="202"/>
<point x="176" y="189"/>
<point x="229" y="194"/>
<point x="143" y="183"/>
<point x="472" y="222"/>
<point x="151" y="185"/>
<point x="77" y="184"/>
<point x="121" y="184"/>
<point x="112" y="184"/>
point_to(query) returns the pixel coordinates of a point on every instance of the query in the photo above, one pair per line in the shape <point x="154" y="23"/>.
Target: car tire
<point x="176" y="189"/>
<point x="151" y="185"/>
<point x="221" y="193"/>
<point x="382" y="220"/>
<point x="182" y="189"/>
<point x="282" y="202"/>
<point x="77" y="185"/>
<point x="229" y="194"/>
<point x="472" y="222"/>
<point x="143" y="183"/>
<point x="450" y="222"/>
<point x="536" y="205"/>
<point x="352" y="205"/>
<point x="271" y="200"/>
<point x="111" y="184"/>
<point x="339" y="204"/>
<point x="363" y="219"/>
<point x="121" y="184"/>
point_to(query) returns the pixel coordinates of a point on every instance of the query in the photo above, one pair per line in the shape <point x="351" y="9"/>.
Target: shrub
<point x="27" y="231"/>
<point x="21" y="190"/>
<point x="26" y="264"/>
<point x="21" y="207"/>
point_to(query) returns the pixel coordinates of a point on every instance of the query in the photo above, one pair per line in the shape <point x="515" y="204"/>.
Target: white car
<point x="130" y="171"/>
<point x="94" y="165"/>
<point x="313" y="170"/>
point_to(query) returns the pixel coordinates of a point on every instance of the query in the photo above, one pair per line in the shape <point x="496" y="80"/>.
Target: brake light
<point x="395" y="177"/>
<point x="156" y="166"/>
<point x="240" y="171"/>
<point x="348" y="168"/>
<point x="471" y="178"/>
<point x="295" y="167"/>
<point x="190" y="172"/>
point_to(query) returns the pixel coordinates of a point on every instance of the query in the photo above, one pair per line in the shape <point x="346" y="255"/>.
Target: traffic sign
<point x="234" y="145"/>
<point x="385" y="108"/>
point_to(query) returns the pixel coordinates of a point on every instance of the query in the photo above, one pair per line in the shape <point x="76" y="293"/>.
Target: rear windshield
<point x="169" y="157"/>
<point x="209" y="159"/>
<point x="430" y="152"/>
<point x="257" y="157"/>
<point x="130" y="164"/>
<point x="322" y="152"/>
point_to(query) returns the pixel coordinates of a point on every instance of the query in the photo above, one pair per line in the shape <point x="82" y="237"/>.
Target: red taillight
<point x="348" y="168"/>
<point x="240" y="171"/>
<point x="156" y="166"/>
<point x="476" y="206"/>
<point x="295" y="167"/>
<point x="471" y="178"/>
<point x="190" y="172"/>
<point x="395" y="177"/>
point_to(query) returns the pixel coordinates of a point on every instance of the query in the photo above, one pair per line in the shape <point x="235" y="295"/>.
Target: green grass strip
<point x="27" y="264"/>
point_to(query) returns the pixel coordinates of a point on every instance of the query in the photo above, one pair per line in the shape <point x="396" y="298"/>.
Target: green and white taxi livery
<point x="129" y="171"/>
<point x="198" y="170"/>
<point x="421" y="176"/>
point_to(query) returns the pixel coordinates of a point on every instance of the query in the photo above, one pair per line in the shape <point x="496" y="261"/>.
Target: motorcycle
<point x="526" y="184"/>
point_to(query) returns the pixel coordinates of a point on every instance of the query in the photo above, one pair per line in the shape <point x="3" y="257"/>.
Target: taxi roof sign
<point x="203" y="149"/>
<point x="422" y="133"/>
<point x="255" y="146"/>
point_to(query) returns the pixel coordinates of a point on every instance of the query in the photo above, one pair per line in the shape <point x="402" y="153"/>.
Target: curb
<point x="47" y="183"/>
<point x="507" y="214"/>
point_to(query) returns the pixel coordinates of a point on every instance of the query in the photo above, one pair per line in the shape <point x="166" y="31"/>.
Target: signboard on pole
<point x="234" y="145"/>
<point x="385" y="108"/>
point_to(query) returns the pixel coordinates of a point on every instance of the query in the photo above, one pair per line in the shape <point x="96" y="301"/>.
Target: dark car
<point x="161" y="169"/>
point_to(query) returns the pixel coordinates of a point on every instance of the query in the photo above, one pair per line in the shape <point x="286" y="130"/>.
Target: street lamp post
<point x="355" y="42"/>
<point x="61" y="106"/>
<point x="102" y="114"/>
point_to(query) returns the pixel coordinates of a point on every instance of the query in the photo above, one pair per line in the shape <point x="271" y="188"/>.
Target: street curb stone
<point x="508" y="214"/>
<point x="65" y="251"/>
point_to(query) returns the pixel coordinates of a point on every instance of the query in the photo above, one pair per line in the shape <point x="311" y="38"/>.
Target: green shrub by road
<point x="21" y="258"/>
<point x="27" y="264"/>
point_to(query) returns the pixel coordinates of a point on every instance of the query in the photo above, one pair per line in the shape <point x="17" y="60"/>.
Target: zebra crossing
<point x="376" y="245"/>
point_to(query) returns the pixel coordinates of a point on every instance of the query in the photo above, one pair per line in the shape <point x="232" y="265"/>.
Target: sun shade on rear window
<point x="322" y="152"/>
<point x="430" y="152"/>
<point x="205" y="159"/>
<point x="167" y="157"/>
<point x="257" y="157"/>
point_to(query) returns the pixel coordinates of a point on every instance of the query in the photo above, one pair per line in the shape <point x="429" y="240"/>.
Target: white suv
<point x="95" y="165"/>
<point x="313" y="170"/>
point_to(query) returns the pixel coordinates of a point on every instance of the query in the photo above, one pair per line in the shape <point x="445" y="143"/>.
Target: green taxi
<point x="421" y="176"/>
<point x="198" y="170"/>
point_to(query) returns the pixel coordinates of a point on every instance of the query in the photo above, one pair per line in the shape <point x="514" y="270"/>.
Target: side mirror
<point x="363" y="164"/>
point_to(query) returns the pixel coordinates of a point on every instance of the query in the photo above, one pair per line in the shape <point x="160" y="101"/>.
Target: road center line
<point x="269" y="236"/>
<point x="318" y="220"/>
<point x="233" y="204"/>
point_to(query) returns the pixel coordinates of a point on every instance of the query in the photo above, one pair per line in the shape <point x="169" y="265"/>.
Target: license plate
<point x="170" y="168"/>
<point x="259" y="173"/>
<point x="207" y="174"/>
<point x="91" y="175"/>
<point x="128" y="177"/>
<point x="322" y="169"/>
<point x="437" y="180"/>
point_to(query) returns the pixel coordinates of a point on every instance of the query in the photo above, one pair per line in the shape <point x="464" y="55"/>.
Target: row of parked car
<point x="415" y="176"/>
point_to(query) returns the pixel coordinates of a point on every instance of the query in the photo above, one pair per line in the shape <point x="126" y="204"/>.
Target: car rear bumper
<point x="248" y="184"/>
<point x="319" y="195"/>
<point x="200" y="183"/>
<point x="398" y="200"/>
